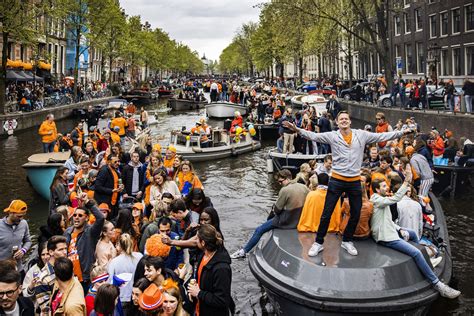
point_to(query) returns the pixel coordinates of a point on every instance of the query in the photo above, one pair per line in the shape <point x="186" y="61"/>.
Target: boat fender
<point x="233" y="151"/>
<point x="196" y="149"/>
<point x="269" y="165"/>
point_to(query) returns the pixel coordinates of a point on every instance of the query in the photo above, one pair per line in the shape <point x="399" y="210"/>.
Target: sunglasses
<point x="78" y="215"/>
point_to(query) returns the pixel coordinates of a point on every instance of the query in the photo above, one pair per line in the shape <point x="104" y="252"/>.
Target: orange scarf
<point x="168" y="163"/>
<point x="114" y="198"/>
<point x="183" y="178"/>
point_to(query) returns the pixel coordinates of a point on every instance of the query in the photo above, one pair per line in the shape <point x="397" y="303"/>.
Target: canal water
<point x="242" y="193"/>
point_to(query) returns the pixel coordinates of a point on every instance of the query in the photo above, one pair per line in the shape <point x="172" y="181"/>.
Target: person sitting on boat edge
<point x="286" y="211"/>
<point x="199" y="130"/>
<point x="347" y="146"/>
<point x="236" y="122"/>
<point x="387" y="233"/>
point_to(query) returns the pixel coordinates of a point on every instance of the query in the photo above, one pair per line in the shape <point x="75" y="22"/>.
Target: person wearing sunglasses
<point x="347" y="147"/>
<point x="11" y="303"/>
<point x="16" y="228"/>
<point x="82" y="239"/>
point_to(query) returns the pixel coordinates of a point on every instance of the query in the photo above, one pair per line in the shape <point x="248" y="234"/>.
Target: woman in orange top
<point x="48" y="133"/>
<point x="186" y="179"/>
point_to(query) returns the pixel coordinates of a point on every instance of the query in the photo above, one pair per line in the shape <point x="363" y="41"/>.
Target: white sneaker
<point x="315" y="249"/>
<point x="238" y="254"/>
<point x="436" y="261"/>
<point x="446" y="291"/>
<point x="349" y="246"/>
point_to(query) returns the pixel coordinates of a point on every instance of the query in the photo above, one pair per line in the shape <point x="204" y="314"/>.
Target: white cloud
<point x="206" y="26"/>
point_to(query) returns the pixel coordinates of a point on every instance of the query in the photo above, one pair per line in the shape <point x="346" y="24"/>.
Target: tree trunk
<point x="110" y="67"/>
<point x="76" y="59"/>
<point x="3" y="72"/>
<point x="349" y="58"/>
<point x="300" y="68"/>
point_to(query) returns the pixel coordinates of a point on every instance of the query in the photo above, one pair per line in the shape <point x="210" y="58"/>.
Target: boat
<point x="222" y="145"/>
<point x="185" y="104"/>
<point x="279" y="161"/>
<point x="314" y="100"/>
<point x="41" y="168"/>
<point x="267" y="131"/>
<point x="164" y="93"/>
<point x="139" y="97"/>
<point x="378" y="281"/>
<point x="223" y="109"/>
<point x="452" y="179"/>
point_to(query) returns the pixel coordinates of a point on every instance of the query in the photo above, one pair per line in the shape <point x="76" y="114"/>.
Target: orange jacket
<point x="437" y="146"/>
<point x="48" y="132"/>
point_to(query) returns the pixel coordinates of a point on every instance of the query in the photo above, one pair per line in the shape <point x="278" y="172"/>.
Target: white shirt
<point x="214" y="86"/>
<point x="14" y="312"/>
<point x="124" y="264"/>
<point x="410" y="215"/>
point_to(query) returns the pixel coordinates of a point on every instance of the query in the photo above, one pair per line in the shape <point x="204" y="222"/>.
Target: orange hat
<point x="409" y="150"/>
<point x="172" y="148"/>
<point x="138" y="206"/>
<point x="16" y="206"/>
<point x="151" y="299"/>
<point x="104" y="206"/>
<point x="156" y="248"/>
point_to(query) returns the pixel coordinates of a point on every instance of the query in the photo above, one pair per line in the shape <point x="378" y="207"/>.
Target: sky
<point x="206" y="26"/>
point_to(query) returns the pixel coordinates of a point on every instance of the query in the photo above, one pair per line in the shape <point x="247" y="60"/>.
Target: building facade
<point x="431" y="39"/>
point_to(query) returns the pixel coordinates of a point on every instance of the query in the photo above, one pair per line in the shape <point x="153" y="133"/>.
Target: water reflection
<point x="243" y="194"/>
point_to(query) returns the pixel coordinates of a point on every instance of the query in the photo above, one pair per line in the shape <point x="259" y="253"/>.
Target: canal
<point x="242" y="193"/>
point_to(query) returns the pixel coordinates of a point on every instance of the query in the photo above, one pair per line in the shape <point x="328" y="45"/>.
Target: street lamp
<point x="434" y="51"/>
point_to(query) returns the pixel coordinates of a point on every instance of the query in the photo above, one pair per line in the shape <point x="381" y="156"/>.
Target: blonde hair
<point x="126" y="244"/>
<point x="313" y="182"/>
<point x="97" y="270"/>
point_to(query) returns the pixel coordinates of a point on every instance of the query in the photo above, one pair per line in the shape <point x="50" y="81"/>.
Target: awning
<point x="43" y="65"/>
<point x="15" y="76"/>
<point x="25" y="75"/>
<point x="35" y="78"/>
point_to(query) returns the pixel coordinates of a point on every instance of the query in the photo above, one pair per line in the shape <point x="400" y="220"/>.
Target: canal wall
<point x="26" y="120"/>
<point x="460" y="124"/>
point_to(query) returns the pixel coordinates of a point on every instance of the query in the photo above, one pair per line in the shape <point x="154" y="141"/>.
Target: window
<point x="409" y="59"/>
<point x="444" y="23"/>
<point x="433" y="26"/>
<point x="420" y="59"/>
<point x="398" y="27"/>
<point x="397" y="51"/>
<point x="407" y="23"/>
<point x="456" y="17"/>
<point x="469" y="16"/>
<point x="445" y="63"/>
<point x="406" y="3"/>
<point x="470" y="60"/>
<point x="431" y="1"/>
<point x="418" y="20"/>
<point x="456" y="61"/>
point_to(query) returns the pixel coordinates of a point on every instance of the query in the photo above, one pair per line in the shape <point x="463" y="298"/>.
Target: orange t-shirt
<point x="203" y="263"/>
<point x="73" y="255"/>
<point x="348" y="138"/>
<point x="121" y="123"/>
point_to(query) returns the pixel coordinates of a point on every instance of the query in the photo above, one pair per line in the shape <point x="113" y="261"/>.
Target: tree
<point x="17" y="19"/>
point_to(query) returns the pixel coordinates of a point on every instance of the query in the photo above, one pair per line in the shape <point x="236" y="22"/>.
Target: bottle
<point x="14" y="250"/>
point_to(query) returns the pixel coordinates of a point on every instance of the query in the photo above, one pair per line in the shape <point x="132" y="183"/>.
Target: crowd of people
<point x="133" y="232"/>
<point x="34" y="95"/>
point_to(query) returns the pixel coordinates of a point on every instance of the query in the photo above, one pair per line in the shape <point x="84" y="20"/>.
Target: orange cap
<point x="16" y="206"/>
<point x="138" y="206"/>
<point x="104" y="206"/>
